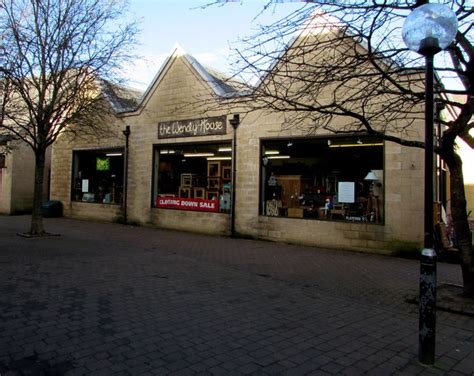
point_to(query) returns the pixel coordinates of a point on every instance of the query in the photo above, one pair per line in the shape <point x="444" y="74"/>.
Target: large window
<point x="193" y="177"/>
<point x="98" y="176"/>
<point x="326" y="179"/>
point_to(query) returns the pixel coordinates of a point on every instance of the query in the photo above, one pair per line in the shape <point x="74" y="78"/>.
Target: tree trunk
<point x="460" y="221"/>
<point x="37" y="216"/>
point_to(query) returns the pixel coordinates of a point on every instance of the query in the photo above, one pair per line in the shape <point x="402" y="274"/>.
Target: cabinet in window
<point x="292" y="186"/>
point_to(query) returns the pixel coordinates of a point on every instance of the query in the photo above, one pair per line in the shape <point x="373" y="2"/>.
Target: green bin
<point x="52" y="209"/>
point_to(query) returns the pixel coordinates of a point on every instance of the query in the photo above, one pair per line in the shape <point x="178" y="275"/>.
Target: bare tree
<point x="52" y="54"/>
<point x="349" y="62"/>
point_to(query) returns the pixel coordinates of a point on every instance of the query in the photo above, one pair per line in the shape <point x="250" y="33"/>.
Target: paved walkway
<point x="108" y="299"/>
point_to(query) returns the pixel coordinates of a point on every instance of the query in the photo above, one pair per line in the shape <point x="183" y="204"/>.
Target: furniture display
<point x="213" y="183"/>
<point x="189" y="180"/>
<point x="185" y="192"/>
<point x="306" y="197"/>
<point x="295" y="212"/>
<point x="219" y="174"/>
<point x="192" y="186"/>
<point x="199" y="192"/>
<point x="213" y="169"/>
<point x="212" y="194"/>
<point x="338" y="210"/>
<point x="292" y="186"/>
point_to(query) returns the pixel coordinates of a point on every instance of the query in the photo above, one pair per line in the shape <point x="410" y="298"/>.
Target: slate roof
<point x="122" y="98"/>
<point x="5" y="138"/>
<point x="220" y="83"/>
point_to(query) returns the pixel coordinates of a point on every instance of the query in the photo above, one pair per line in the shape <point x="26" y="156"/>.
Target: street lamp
<point x="429" y="29"/>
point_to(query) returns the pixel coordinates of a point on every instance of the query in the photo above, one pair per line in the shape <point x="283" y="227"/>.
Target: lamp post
<point x="429" y="29"/>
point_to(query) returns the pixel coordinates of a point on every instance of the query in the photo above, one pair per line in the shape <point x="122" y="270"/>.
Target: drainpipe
<point x="441" y="192"/>
<point x="126" y="133"/>
<point x="235" y="121"/>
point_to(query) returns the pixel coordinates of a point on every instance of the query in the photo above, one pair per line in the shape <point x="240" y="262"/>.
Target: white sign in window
<point x="85" y="185"/>
<point x="346" y="192"/>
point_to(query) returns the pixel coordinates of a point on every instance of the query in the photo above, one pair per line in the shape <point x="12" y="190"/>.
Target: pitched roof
<point x="220" y="83"/>
<point x="122" y="98"/>
<point x="5" y="138"/>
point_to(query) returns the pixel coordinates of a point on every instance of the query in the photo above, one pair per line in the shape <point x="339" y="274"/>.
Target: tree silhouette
<point x="348" y="65"/>
<point x="55" y="56"/>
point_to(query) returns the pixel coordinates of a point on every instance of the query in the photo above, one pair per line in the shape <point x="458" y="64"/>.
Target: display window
<point x="193" y="177"/>
<point x="337" y="179"/>
<point x="98" y="176"/>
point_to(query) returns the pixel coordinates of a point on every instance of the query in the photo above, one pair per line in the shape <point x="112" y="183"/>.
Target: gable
<point x="183" y="81"/>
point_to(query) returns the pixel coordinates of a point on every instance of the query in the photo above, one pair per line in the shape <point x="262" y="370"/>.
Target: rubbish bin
<point x="52" y="208"/>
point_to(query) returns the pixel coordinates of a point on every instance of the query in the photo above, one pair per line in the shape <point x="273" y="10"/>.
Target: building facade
<point x="195" y="168"/>
<point x="17" y="173"/>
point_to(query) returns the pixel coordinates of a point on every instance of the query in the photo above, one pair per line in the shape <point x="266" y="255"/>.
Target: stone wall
<point x="17" y="185"/>
<point x="403" y="197"/>
<point x="61" y="172"/>
<point x="6" y="186"/>
<point x="169" y="98"/>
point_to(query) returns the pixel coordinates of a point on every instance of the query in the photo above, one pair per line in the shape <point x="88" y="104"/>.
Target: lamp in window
<point x="371" y="176"/>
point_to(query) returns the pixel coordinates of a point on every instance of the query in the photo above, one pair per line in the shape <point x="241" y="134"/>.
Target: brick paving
<point x="107" y="299"/>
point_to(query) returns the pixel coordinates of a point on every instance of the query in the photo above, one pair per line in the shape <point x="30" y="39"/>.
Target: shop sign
<point x="193" y="127"/>
<point x="187" y="204"/>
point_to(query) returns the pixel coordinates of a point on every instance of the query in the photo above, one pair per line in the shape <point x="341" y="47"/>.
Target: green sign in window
<point x="102" y="164"/>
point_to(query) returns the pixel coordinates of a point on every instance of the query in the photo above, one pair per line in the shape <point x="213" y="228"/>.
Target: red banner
<point x="187" y="204"/>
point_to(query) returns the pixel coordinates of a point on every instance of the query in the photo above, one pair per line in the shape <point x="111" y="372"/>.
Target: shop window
<point x="196" y="177"/>
<point x="98" y="176"/>
<point x="327" y="179"/>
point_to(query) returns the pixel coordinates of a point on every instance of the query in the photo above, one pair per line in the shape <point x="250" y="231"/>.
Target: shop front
<point x="348" y="191"/>
<point x="192" y="175"/>
<point x="196" y="175"/>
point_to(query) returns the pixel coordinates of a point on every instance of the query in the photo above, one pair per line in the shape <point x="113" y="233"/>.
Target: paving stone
<point x="465" y="366"/>
<point x="112" y="299"/>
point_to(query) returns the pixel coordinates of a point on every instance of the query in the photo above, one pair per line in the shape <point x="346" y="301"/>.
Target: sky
<point x="207" y="33"/>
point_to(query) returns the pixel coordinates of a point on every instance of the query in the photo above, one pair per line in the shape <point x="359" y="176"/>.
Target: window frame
<point x="336" y="138"/>
<point x="186" y="147"/>
<point x="97" y="151"/>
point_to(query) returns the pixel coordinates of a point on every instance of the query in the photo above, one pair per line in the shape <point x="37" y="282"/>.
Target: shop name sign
<point x="187" y="204"/>
<point x="193" y="127"/>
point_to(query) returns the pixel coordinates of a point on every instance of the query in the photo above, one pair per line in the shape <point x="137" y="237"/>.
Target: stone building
<point x="187" y="165"/>
<point x="17" y="172"/>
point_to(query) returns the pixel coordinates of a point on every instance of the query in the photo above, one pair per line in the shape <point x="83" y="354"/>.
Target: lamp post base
<point x="427" y="323"/>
